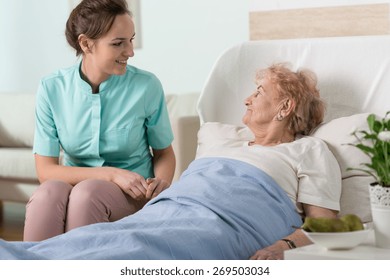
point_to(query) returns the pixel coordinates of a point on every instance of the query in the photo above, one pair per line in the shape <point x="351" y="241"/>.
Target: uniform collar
<point x="86" y="87"/>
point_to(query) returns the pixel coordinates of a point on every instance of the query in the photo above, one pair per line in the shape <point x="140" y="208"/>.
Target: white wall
<point x="181" y="39"/>
<point x="32" y="42"/>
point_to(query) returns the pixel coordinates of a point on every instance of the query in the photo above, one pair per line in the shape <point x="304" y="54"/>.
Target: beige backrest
<point x="353" y="74"/>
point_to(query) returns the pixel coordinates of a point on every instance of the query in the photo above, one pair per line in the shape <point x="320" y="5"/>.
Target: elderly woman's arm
<point x="275" y="251"/>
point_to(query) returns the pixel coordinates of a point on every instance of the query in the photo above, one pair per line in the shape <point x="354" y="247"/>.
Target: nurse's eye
<point x="118" y="44"/>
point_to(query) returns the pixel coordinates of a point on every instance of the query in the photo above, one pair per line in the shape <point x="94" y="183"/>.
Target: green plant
<point x="375" y="143"/>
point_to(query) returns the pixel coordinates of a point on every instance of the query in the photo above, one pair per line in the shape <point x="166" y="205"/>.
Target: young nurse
<point x="110" y="122"/>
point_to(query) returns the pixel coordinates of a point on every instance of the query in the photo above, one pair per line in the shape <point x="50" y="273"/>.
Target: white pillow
<point x="337" y="134"/>
<point x="213" y="134"/>
<point x="355" y="197"/>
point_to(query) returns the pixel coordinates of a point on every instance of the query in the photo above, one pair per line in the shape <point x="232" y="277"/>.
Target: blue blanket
<point x="219" y="209"/>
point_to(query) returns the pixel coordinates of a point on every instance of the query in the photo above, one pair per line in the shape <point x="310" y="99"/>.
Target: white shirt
<point x="305" y="168"/>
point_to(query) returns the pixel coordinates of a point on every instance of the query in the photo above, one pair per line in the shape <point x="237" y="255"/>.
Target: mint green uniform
<point x="115" y="127"/>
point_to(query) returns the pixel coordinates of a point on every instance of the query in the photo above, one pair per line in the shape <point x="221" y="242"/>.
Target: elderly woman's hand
<point x="273" y="252"/>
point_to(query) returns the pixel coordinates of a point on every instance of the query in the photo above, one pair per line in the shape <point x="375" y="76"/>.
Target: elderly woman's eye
<point x="258" y="90"/>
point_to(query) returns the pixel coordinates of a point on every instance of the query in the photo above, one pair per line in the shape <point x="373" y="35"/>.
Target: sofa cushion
<point x="17" y="119"/>
<point x="17" y="163"/>
<point x="180" y="105"/>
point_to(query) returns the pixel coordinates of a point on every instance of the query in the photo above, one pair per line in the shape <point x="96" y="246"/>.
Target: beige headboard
<point x="357" y="20"/>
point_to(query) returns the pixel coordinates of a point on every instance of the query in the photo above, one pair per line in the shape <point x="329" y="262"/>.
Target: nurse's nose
<point x="129" y="51"/>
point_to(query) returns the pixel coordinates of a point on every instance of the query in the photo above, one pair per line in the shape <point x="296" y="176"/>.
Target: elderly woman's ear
<point x="287" y="106"/>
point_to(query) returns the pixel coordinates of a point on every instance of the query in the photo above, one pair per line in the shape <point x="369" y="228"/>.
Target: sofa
<point x="18" y="178"/>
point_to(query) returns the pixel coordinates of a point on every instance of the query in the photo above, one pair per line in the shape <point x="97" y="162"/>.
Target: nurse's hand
<point x="155" y="187"/>
<point x="130" y="182"/>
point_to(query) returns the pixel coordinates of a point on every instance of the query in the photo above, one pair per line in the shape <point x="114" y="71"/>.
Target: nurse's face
<point x="109" y="54"/>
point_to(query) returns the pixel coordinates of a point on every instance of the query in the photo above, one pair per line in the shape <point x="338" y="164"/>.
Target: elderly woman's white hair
<point x="301" y="87"/>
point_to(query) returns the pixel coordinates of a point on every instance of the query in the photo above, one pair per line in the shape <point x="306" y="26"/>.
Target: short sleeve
<point x="319" y="177"/>
<point x="46" y="141"/>
<point x="159" y="131"/>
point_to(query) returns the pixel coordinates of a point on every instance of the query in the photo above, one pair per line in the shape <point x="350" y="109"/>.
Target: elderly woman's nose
<point x="247" y="100"/>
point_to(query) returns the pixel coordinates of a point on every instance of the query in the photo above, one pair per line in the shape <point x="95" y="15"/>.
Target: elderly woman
<point x="239" y="200"/>
<point x="284" y="107"/>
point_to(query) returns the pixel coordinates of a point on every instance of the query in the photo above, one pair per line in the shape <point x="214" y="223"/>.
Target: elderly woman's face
<point x="262" y="105"/>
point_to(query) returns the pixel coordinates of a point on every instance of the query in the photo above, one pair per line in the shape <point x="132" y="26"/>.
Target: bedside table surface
<point x="365" y="251"/>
